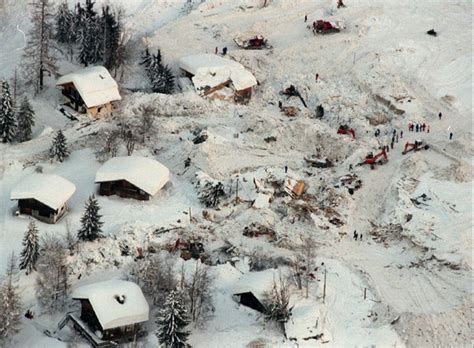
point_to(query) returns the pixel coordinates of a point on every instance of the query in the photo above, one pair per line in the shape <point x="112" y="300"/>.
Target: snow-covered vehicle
<point x="325" y="27"/>
<point x="253" y="42"/>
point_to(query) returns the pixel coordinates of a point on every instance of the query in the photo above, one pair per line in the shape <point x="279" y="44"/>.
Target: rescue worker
<point x="450" y="135"/>
<point x="416" y="127"/>
<point x="224" y="51"/>
<point x="401" y="134"/>
<point x="440" y="115"/>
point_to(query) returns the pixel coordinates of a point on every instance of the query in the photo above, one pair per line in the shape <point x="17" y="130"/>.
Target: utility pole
<point x="237" y="192"/>
<point x="324" y="288"/>
<point x="190" y="216"/>
<point x="365" y="293"/>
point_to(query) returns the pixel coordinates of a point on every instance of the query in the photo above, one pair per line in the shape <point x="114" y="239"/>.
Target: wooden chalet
<point x="217" y="77"/>
<point x="91" y="90"/>
<point x="132" y="177"/>
<point x="112" y="312"/>
<point x="43" y="196"/>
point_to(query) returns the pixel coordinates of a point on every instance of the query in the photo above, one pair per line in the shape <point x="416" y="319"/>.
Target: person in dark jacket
<point x="224" y="51"/>
<point x="440" y="115"/>
<point x="416" y="127"/>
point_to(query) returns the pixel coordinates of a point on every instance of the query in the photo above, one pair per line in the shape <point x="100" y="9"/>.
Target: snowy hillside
<point x="404" y="281"/>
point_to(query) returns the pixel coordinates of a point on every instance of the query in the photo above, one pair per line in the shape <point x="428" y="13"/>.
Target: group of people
<point x="418" y="127"/>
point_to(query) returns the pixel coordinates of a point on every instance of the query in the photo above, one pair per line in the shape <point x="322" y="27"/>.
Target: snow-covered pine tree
<point x="52" y="283"/>
<point x="172" y="321"/>
<point x="91" y="228"/>
<point x="30" y="252"/>
<point x="10" y="305"/>
<point x="160" y="76"/>
<point x="110" y="34"/>
<point x="63" y="23"/>
<point x="59" y="150"/>
<point x="212" y="193"/>
<point x="39" y="52"/>
<point x="26" y="120"/>
<point x="89" y="35"/>
<point x="8" y="124"/>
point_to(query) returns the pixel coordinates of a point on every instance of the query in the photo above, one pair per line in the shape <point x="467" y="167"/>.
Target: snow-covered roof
<point x="51" y="190"/>
<point x="145" y="173"/>
<point x="115" y="302"/>
<point x="94" y="84"/>
<point x="212" y="70"/>
<point x="255" y="282"/>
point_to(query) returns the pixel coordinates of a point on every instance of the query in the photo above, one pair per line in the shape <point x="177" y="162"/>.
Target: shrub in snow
<point x="172" y="321"/>
<point x="30" y="252"/>
<point x="52" y="285"/>
<point x="26" y="121"/>
<point x="8" y="123"/>
<point x="10" y="305"/>
<point x="91" y="225"/>
<point x="59" y="150"/>
<point x="210" y="191"/>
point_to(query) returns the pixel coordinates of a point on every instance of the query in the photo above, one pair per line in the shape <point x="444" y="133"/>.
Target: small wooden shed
<point x="91" y="90"/>
<point x="43" y="196"/>
<point x="131" y="177"/>
<point x="111" y="310"/>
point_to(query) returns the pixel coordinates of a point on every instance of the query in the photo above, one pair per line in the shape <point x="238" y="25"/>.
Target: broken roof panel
<point x="94" y="84"/>
<point x="51" y="190"/>
<point x="212" y="70"/>
<point x="145" y="173"/>
<point x="115" y="302"/>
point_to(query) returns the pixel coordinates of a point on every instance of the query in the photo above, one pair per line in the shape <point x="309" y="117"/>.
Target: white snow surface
<point x="212" y="70"/>
<point x="104" y="296"/>
<point x="95" y="85"/>
<point x="145" y="173"/>
<point x="49" y="189"/>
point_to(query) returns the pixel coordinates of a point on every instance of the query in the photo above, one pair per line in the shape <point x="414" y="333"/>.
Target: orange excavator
<point x="416" y="146"/>
<point x="344" y="129"/>
<point x="372" y="160"/>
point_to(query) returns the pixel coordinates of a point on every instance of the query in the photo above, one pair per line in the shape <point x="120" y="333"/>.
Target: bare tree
<point x="198" y="293"/>
<point x="147" y="117"/>
<point x="277" y="302"/>
<point x="52" y="284"/>
<point x="156" y="276"/>
<point x="130" y="143"/>
<point x="39" y="51"/>
<point x="110" y="145"/>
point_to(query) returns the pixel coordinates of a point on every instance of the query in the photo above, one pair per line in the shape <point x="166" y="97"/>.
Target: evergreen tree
<point x="8" y="123"/>
<point x="91" y="228"/>
<point x="110" y="34"/>
<point x="160" y="76"/>
<point x="10" y="305"/>
<point x="59" y="150"/>
<point x="172" y="321"/>
<point x="64" y="22"/>
<point x="212" y="193"/>
<point x="30" y="252"/>
<point x="39" y="51"/>
<point x="88" y="31"/>
<point x="52" y="284"/>
<point x="26" y="120"/>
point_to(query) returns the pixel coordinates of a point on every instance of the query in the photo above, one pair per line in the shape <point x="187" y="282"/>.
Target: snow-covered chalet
<point x="91" y="90"/>
<point x="131" y="177"/>
<point x="111" y="310"/>
<point x="217" y="77"/>
<point x="43" y="196"/>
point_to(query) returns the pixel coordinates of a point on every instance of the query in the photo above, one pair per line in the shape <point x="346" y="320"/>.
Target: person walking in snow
<point x="396" y="138"/>
<point x="317" y="77"/>
<point x="401" y="134"/>
<point x="416" y="127"/>
<point x="360" y="236"/>
<point x="423" y="126"/>
<point x="224" y="51"/>
<point x="440" y="115"/>
<point x="286" y="169"/>
<point x="305" y="18"/>
<point x="428" y="129"/>
<point x="355" y="235"/>
<point x="391" y="144"/>
<point x="450" y="135"/>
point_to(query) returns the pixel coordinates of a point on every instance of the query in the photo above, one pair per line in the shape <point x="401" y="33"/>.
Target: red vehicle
<point x="344" y="129"/>
<point x="416" y="146"/>
<point x="254" y="43"/>
<point x="370" y="159"/>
